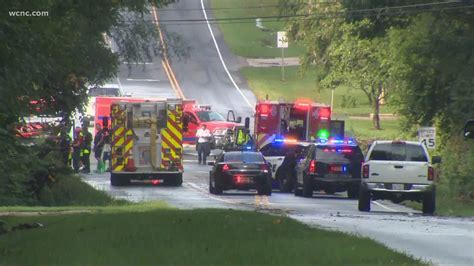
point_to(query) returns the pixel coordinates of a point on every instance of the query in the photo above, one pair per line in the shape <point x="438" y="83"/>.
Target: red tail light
<point x="264" y="168"/>
<point x="365" y="171"/>
<point x="312" y="166"/>
<point x="225" y="168"/>
<point x="430" y="173"/>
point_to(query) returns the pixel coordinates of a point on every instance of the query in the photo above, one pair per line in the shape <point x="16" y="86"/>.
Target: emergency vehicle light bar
<point x="346" y="141"/>
<point x="281" y="140"/>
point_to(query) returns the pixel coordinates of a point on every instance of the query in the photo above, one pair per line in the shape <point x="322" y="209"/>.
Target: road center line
<point x="222" y="59"/>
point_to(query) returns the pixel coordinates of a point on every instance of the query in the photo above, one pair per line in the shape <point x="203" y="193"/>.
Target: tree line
<point x="417" y="55"/>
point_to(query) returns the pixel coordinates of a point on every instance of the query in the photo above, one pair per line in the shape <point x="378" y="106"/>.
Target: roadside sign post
<point x="427" y="136"/>
<point x="282" y="42"/>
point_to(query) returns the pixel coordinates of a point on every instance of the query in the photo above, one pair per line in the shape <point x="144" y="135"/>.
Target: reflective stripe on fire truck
<point x="118" y="138"/>
<point x="128" y="145"/>
<point x="172" y="138"/>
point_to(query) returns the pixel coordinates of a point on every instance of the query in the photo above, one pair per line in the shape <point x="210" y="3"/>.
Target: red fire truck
<point x="197" y="115"/>
<point x="301" y="120"/>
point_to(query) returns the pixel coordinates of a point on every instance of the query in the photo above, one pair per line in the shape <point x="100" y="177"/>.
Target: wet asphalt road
<point x="445" y="241"/>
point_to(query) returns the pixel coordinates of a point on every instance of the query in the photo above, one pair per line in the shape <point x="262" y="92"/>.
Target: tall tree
<point x="360" y="64"/>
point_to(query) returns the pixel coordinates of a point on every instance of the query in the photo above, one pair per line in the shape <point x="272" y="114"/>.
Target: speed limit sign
<point x="427" y="135"/>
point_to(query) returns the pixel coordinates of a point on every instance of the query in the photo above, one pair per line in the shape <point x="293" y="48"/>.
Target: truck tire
<point x="173" y="180"/>
<point x="429" y="202"/>
<point x="119" y="180"/>
<point x="307" y="188"/>
<point x="268" y="187"/>
<point x="114" y="180"/>
<point x="352" y="193"/>
<point x="214" y="188"/>
<point x="297" y="190"/>
<point x="178" y="180"/>
<point x="284" y="184"/>
<point x="364" y="200"/>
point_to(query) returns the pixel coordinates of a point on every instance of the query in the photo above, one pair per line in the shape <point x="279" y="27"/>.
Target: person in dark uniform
<point x="76" y="149"/>
<point x="86" y="150"/>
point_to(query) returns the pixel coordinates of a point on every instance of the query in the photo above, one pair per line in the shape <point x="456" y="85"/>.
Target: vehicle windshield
<point x="104" y="91"/>
<point x="207" y="116"/>
<point x="398" y="152"/>
<point x="243" y="157"/>
<point x="337" y="153"/>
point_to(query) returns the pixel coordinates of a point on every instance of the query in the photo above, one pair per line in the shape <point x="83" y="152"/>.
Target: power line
<point x="244" y="7"/>
<point x="394" y="14"/>
<point x="399" y="11"/>
<point x="343" y="13"/>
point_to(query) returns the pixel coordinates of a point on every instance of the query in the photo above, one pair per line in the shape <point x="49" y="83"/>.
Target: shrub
<point x="458" y="168"/>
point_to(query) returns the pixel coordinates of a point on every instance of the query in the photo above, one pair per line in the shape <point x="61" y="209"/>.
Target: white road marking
<point x="140" y="63"/>
<point x="147" y="80"/>
<point x="222" y="59"/>
<point x="385" y="207"/>
<point x="199" y="189"/>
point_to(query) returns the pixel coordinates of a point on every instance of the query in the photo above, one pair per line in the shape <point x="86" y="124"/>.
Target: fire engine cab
<point x="285" y="128"/>
<point x="301" y="120"/>
<point x="197" y="115"/>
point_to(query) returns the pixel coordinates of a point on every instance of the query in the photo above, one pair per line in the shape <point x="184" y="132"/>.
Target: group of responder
<point x="241" y="136"/>
<point x="78" y="152"/>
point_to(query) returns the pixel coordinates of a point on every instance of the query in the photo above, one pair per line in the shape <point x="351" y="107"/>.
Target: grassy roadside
<point x="243" y="37"/>
<point x="446" y="204"/>
<point x="267" y="81"/>
<point x="191" y="237"/>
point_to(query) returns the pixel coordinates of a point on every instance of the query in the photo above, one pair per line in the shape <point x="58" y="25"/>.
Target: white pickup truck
<point x="398" y="171"/>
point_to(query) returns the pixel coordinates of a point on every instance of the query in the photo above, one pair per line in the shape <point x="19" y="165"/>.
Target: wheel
<point x="364" y="200"/>
<point x="214" y="187"/>
<point x="268" y="187"/>
<point x="297" y="190"/>
<point x="211" y="187"/>
<point x="429" y="202"/>
<point x="285" y="183"/>
<point x="307" y="188"/>
<point x="114" y="180"/>
<point x="178" y="179"/>
<point x="352" y="193"/>
<point x="119" y="180"/>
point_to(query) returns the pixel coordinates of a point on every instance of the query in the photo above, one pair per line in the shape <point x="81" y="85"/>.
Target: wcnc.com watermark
<point x="19" y="13"/>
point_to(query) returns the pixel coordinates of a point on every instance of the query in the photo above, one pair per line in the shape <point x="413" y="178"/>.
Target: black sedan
<point x="241" y="170"/>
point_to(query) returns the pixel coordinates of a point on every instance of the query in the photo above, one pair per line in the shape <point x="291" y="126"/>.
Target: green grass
<point x="267" y="81"/>
<point x="446" y="204"/>
<point x="243" y="37"/>
<point x="70" y="190"/>
<point x="364" y="129"/>
<point x="185" y="237"/>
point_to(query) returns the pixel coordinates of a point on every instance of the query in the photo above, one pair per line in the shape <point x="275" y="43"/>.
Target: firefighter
<point x="203" y="143"/>
<point x="76" y="149"/>
<point x="86" y="149"/>
<point x="107" y="149"/>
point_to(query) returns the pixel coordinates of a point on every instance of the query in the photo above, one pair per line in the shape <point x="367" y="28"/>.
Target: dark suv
<point x="334" y="166"/>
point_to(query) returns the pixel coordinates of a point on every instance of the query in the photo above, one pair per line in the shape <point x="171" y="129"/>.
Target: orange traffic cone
<point x="130" y="167"/>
